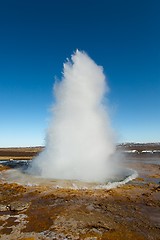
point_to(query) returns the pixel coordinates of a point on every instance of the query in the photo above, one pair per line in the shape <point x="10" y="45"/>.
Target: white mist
<point x="79" y="142"/>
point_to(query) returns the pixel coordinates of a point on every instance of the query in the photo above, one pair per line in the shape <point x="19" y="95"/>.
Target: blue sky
<point x="37" y="36"/>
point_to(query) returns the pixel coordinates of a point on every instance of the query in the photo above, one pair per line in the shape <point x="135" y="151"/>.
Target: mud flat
<point x="131" y="211"/>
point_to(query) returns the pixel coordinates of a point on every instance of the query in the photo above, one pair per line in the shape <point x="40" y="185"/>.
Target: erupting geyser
<point x="79" y="142"/>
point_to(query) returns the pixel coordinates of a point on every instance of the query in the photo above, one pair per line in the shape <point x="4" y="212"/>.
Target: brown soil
<point x="19" y="153"/>
<point x="129" y="212"/>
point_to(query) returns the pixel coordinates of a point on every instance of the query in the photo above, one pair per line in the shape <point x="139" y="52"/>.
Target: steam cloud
<point x="80" y="141"/>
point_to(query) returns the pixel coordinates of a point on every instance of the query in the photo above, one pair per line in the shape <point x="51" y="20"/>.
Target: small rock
<point x="18" y="206"/>
<point x="3" y="208"/>
<point x="90" y="208"/>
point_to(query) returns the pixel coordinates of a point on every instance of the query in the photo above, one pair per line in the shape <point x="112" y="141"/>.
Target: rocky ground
<point x="130" y="212"/>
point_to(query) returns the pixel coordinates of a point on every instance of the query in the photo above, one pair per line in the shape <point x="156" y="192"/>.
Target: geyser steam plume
<point x="79" y="142"/>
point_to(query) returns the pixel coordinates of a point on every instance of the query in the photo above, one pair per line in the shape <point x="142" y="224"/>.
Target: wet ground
<point x="40" y="211"/>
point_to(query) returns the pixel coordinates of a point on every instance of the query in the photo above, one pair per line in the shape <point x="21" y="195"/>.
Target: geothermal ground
<point x="39" y="211"/>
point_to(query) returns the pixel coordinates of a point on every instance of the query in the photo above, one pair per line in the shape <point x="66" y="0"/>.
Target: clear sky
<point x="37" y="36"/>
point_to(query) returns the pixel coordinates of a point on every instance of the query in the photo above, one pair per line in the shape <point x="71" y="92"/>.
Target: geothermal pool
<point x="49" y="208"/>
<point x="18" y="174"/>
